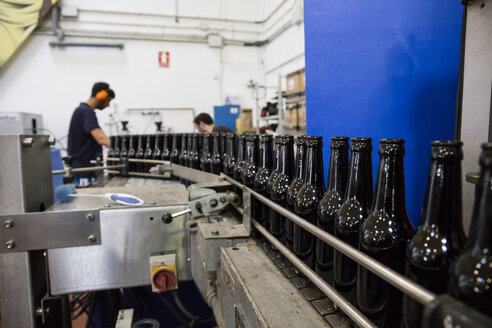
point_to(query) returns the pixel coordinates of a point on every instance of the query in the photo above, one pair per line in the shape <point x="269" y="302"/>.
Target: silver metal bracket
<point x="47" y="230"/>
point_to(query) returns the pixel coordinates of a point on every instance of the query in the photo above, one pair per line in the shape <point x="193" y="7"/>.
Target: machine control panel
<point x="163" y="272"/>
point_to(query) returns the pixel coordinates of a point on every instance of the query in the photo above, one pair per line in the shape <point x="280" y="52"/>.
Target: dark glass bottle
<point x="222" y="148"/>
<point x="294" y="188"/>
<point x="471" y="273"/>
<point x="239" y="165"/>
<point x="149" y="150"/>
<point x="175" y="149"/>
<point x="384" y="236"/>
<point x="229" y="160"/>
<point x="193" y="154"/>
<point x="140" y="167"/>
<point x="183" y="154"/>
<point x="124" y="146"/>
<point x="157" y="153"/>
<point x="307" y="199"/>
<point x="117" y="146"/>
<point x="166" y="146"/>
<point x="132" y="152"/>
<point x="216" y="166"/>
<point x="261" y="178"/>
<point x="330" y="204"/>
<point x="206" y="153"/>
<point x="276" y="165"/>
<point x="352" y="213"/>
<point x="189" y="146"/>
<point x="278" y="193"/>
<point x="439" y="239"/>
<point x="251" y="161"/>
<point x="110" y="153"/>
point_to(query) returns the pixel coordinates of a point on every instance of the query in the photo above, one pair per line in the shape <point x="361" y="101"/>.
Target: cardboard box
<point x="302" y="115"/>
<point x="244" y="123"/>
<point x="302" y="81"/>
<point x="292" y="115"/>
<point x="295" y="83"/>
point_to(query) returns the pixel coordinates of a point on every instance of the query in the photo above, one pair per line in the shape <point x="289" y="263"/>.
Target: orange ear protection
<point x="102" y="95"/>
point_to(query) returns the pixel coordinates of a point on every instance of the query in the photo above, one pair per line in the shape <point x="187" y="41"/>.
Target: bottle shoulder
<point x="261" y="178"/>
<point x="430" y="248"/>
<point x="307" y="199"/>
<point x="280" y="187"/>
<point x="384" y="230"/>
<point x="471" y="273"/>
<point x="351" y="215"/>
<point x="330" y="204"/>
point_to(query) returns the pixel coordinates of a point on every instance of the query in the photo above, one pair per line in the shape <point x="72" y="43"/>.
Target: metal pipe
<point x="86" y="44"/>
<point x="329" y="291"/>
<point x="89" y="169"/>
<point x="417" y="292"/>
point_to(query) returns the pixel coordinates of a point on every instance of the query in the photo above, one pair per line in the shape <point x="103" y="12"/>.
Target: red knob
<point x="164" y="279"/>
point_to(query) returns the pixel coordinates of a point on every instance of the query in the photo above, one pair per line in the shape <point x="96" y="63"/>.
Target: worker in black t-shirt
<point x="204" y="123"/>
<point x="85" y="136"/>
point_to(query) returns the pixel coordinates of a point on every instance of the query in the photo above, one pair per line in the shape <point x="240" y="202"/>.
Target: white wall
<point x="476" y="95"/>
<point x="52" y="81"/>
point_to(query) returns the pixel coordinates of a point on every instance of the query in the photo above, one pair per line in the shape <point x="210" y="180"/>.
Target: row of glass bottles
<point x="374" y="222"/>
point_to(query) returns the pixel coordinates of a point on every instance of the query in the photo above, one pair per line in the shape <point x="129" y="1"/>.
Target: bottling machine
<point x="204" y="233"/>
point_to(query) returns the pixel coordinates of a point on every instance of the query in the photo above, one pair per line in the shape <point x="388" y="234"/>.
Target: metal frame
<point x="28" y="231"/>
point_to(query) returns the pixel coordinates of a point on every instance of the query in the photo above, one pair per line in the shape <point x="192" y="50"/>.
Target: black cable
<point x="182" y="307"/>
<point x="174" y="312"/>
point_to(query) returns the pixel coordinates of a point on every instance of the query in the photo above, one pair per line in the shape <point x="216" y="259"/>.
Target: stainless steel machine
<point x="200" y="233"/>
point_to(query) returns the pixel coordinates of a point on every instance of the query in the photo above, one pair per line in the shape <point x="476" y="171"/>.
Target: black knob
<point x="67" y="160"/>
<point x="167" y="218"/>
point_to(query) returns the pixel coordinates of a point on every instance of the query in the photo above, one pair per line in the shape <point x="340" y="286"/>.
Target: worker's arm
<point x="100" y="137"/>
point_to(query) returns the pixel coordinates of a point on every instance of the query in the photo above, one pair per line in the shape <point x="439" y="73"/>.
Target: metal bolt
<point x="213" y="202"/>
<point x="8" y="224"/>
<point x="92" y="238"/>
<point x="215" y="232"/>
<point x="29" y="142"/>
<point x="152" y="202"/>
<point x="52" y="141"/>
<point x="90" y="217"/>
<point x="39" y="311"/>
<point x="198" y="205"/>
<point x="10" y="244"/>
<point x="223" y="199"/>
<point x="188" y="259"/>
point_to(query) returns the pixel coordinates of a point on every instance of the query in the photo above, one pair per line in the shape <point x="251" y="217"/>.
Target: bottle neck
<point x="481" y="225"/>
<point x="276" y="157"/>
<point x="240" y="150"/>
<point x="165" y="142"/>
<point x="266" y="154"/>
<point x="157" y="144"/>
<point x="230" y="147"/>
<point x="360" y="178"/>
<point x="286" y="159"/>
<point x="140" y="142"/>
<point x="443" y="201"/>
<point x="116" y="143"/>
<point x="338" y="170"/>
<point x="390" y="185"/>
<point x="175" y="142"/>
<point x="222" y="144"/>
<point x="183" y="143"/>
<point x="194" y="146"/>
<point x="216" y="148"/>
<point x="313" y="170"/>
<point x="148" y="144"/>
<point x="206" y="145"/>
<point x="123" y="143"/>
<point x="300" y="160"/>
<point x="131" y="145"/>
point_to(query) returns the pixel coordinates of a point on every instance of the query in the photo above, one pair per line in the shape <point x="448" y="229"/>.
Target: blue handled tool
<point x="66" y="192"/>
